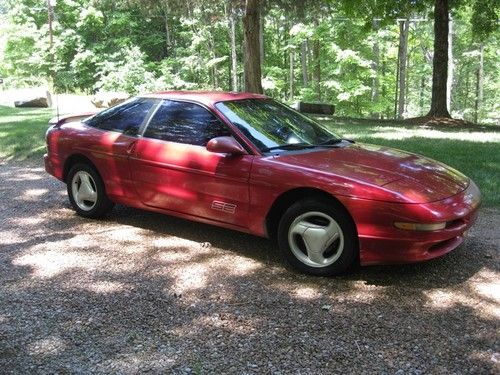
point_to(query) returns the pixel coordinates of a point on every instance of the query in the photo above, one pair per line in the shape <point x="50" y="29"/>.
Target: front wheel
<point x="86" y="192"/>
<point x="318" y="237"/>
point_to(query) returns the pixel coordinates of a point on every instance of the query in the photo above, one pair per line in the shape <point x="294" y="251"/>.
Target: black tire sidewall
<point x="336" y="212"/>
<point x="103" y="204"/>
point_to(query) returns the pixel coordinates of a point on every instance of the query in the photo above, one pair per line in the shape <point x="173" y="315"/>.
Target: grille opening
<point x="455" y="223"/>
<point x="441" y="245"/>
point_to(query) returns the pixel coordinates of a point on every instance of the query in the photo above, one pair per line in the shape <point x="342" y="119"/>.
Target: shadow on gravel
<point x="142" y="292"/>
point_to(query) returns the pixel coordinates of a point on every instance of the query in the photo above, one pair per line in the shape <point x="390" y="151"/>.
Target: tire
<point x="86" y="192"/>
<point x="318" y="237"/>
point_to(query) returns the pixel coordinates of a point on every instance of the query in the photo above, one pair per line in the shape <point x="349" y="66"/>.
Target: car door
<point x="114" y="137"/>
<point x="173" y="170"/>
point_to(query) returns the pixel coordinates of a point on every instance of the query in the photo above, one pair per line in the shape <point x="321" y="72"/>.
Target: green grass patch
<point x="473" y="151"/>
<point x="22" y="132"/>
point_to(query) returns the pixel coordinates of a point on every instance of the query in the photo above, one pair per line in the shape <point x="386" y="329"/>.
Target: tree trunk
<point x="479" y="84"/>
<point x="251" y="24"/>
<point x="232" y="38"/>
<point x="440" y="60"/>
<point x="421" y="96"/>
<point x="167" y="29"/>
<point x="303" y="63"/>
<point x="317" y="64"/>
<point x="402" y="59"/>
<point x="449" y="81"/>
<point x="291" y="79"/>
<point x="375" y="65"/>
<point x="261" y="37"/>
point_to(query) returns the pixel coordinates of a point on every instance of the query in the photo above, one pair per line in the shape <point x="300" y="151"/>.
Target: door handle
<point x="131" y="147"/>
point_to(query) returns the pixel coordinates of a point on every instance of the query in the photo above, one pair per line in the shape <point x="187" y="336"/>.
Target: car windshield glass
<point x="269" y="124"/>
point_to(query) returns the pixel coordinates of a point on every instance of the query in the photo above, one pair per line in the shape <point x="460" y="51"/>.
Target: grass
<point x="473" y="151"/>
<point x="22" y="132"/>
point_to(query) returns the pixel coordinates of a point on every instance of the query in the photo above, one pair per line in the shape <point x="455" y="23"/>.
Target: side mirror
<point x="225" y="145"/>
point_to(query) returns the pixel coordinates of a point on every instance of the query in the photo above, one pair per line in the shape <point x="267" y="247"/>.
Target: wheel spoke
<point x="300" y="228"/>
<point x="315" y="240"/>
<point x="86" y="192"/>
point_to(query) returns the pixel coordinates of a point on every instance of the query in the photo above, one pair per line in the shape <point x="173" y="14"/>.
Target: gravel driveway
<point x="140" y="292"/>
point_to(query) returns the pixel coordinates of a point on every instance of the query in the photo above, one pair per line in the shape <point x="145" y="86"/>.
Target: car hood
<point x="412" y="177"/>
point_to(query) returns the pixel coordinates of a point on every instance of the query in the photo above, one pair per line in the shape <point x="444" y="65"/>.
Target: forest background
<point x="370" y="58"/>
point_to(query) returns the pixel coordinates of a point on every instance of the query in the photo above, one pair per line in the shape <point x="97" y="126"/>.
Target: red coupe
<point x="246" y="162"/>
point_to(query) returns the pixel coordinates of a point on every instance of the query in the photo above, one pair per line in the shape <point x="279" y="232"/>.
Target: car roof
<point x="204" y="97"/>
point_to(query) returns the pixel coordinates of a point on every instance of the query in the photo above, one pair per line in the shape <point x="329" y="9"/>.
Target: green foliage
<point x="125" y="71"/>
<point x="138" y="46"/>
<point x="484" y="18"/>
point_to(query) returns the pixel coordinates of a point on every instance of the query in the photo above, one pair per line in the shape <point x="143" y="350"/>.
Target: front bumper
<point x="382" y="243"/>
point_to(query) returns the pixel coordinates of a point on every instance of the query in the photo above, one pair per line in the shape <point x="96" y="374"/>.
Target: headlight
<point x="419" y="226"/>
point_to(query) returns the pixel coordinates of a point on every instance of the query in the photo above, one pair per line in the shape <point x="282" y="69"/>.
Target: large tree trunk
<point x="479" y="84"/>
<point x="251" y="24"/>
<point x="440" y="60"/>
<point x="232" y="39"/>
<point x="261" y="37"/>
<point x="449" y="81"/>
<point x="402" y="57"/>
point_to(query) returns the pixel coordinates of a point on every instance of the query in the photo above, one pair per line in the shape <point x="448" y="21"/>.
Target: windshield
<point x="271" y="125"/>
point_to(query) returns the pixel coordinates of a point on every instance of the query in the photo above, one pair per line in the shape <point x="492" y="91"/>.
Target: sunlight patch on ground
<point x="198" y="270"/>
<point x="307" y="293"/>
<point x="483" y="291"/>
<point x="125" y="233"/>
<point x="50" y="263"/>
<point x="9" y="237"/>
<point x="51" y="345"/>
<point x="32" y="194"/>
<point x="190" y="278"/>
<point x="395" y="133"/>
<point x="26" y="221"/>
<point x="27" y="176"/>
<point x="357" y="291"/>
<point x="103" y="287"/>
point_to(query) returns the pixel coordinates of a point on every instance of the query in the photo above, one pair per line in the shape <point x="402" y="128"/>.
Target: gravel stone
<point x="140" y="292"/>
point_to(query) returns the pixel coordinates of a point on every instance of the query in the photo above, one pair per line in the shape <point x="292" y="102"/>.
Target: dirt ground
<point x="139" y="292"/>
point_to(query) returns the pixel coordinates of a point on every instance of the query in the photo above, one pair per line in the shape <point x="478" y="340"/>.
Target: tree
<point x="251" y="23"/>
<point x="402" y="62"/>
<point x="440" y="61"/>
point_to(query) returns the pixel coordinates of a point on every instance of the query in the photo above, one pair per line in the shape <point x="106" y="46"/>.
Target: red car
<point x="246" y="162"/>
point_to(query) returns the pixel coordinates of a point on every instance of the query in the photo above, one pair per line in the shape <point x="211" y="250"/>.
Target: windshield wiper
<point x="334" y="141"/>
<point x="290" y="146"/>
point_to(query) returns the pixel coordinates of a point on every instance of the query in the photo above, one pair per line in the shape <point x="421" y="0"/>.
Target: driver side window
<point x="184" y="122"/>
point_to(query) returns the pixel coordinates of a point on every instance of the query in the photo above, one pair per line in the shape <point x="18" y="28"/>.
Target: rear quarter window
<point x="125" y="118"/>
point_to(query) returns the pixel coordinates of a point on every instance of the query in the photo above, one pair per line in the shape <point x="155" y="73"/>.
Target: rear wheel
<point x="86" y="191"/>
<point x="317" y="237"/>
